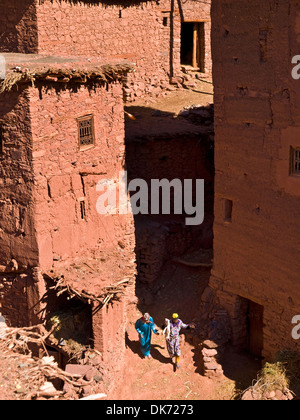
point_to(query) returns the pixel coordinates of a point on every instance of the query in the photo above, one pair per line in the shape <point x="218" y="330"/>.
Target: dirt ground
<point x="155" y="116"/>
<point x="11" y="376"/>
<point x="156" y="379"/>
<point x="175" y="100"/>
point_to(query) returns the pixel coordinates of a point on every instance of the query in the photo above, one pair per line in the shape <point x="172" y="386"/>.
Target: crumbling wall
<point x="93" y="250"/>
<point x="46" y="174"/>
<point x="256" y="198"/>
<point x="13" y="299"/>
<point x="109" y="330"/>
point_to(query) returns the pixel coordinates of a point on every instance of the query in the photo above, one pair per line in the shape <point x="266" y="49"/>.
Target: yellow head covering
<point x="175" y="316"/>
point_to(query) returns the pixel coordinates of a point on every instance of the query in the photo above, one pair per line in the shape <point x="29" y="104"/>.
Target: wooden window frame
<point x="82" y="209"/>
<point x="90" y="145"/>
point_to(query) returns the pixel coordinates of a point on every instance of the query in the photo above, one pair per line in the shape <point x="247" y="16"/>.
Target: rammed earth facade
<point x="159" y="37"/>
<point x="69" y="66"/>
<point x="257" y="186"/>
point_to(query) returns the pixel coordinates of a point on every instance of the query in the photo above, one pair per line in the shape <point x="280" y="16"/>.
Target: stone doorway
<point x="255" y="328"/>
<point x="248" y="327"/>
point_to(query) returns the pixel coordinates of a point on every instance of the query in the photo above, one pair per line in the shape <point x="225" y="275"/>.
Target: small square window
<point x="295" y="161"/>
<point x="86" y="132"/>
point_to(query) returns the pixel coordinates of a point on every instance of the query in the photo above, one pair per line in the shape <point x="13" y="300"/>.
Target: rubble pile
<point x="199" y="115"/>
<point x="31" y="377"/>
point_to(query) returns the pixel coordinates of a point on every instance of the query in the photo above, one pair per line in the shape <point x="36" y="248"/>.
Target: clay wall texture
<point x="256" y="254"/>
<point x="65" y="175"/>
<point x="45" y="175"/>
<point x="17" y="232"/>
<point x="145" y="33"/>
<point x="13" y="299"/>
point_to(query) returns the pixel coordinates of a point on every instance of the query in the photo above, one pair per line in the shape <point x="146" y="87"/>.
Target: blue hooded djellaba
<point x="144" y="327"/>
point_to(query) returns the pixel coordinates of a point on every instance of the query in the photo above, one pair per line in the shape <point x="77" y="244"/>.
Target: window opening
<point x="295" y="161"/>
<point x="86" y="131"/>
<point x="228" y="211"/>
<point x="82" y="210"/>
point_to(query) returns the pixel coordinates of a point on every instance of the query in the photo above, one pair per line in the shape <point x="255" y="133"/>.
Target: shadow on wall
<point x="159" y="146"/>
<point x="162" y="146"/>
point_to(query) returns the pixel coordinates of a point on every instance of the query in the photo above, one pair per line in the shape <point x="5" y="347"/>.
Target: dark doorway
<point x="255" y="328"/>
<point x="187" y="36"/>
<point x="193" y="45"/>
<point x="248" y="331"/>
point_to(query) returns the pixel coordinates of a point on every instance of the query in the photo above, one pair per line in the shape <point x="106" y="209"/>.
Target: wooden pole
<point x="195" y="45"/>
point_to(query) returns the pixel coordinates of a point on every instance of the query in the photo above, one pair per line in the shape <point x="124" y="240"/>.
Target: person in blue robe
<point x="144" y="327"/>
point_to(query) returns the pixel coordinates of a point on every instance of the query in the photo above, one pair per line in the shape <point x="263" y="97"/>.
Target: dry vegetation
<point x="278" y="380"/>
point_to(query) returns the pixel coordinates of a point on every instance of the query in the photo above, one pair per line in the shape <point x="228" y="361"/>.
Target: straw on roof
<point x="69" y="73"/>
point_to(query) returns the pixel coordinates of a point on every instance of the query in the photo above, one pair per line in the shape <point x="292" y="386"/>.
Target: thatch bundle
<point x="49" y="75"/>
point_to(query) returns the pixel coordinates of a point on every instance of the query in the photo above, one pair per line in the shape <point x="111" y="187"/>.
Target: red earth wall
<point x="256" y="122"/>
<point x="45" y="175"/>
<point x="145" y="33"/>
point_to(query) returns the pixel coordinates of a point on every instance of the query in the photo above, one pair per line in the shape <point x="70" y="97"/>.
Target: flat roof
<point x="29" y="68"/>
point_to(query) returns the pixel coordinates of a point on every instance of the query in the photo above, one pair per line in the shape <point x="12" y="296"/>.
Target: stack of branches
<point x="102" y="74"/>
<point x="47" y="369"/>
<point x="19" y="339"/>
<point x="112" y="292"/>
<point x="35" y="378"/>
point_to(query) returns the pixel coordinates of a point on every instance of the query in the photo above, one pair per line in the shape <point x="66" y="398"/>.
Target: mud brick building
<point x="62" y="131"/>
<point x="257" y="186"/>
<point x="159" y="36"/>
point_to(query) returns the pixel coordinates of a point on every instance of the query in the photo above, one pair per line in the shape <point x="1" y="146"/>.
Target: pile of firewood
<point x="109" y="293"/>
<point x="39" y="372"/>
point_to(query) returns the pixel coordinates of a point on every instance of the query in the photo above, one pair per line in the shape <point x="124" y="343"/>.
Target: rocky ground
<point x="156" y="378"/>
<point x="180" y="289"/>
